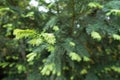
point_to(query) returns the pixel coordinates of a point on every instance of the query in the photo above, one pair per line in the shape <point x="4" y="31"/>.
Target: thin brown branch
<point x="57" y="6"/>
<point x="22" y="50"/>
<point x="73" y="16"/>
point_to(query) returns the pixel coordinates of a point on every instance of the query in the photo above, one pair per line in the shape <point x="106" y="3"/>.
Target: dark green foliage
<point x="71" y="40"/>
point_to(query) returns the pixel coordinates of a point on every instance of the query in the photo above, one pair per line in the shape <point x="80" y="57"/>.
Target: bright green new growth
<point x="116" y="37"/>
<point x="96" y="35"/>
<point x="24" y="33"/>
<point x="74" y="56"/>
<point x="95" y="5"/>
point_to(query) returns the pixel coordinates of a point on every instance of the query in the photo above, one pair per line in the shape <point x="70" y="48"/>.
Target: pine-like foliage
<point x="60" y="39"/>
